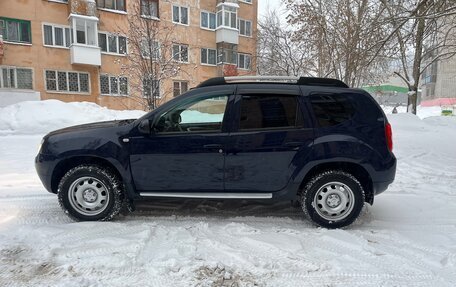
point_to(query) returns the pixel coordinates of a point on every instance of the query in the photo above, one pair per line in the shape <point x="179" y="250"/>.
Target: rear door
<point x="271" y="136"/>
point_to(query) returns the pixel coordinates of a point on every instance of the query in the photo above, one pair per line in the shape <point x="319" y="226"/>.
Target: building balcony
<point x="84" y="48"/>
<point x="227" y="22"/>
<point x="85" y="54"/>
<point x="225" y="34"/>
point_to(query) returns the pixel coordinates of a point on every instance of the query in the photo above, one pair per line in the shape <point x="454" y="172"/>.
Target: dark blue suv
<point x="309" y="140"/>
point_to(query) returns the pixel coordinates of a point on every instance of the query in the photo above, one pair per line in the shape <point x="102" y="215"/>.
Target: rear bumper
<point x="380" y="187"/>
<point x="382" y="180"/>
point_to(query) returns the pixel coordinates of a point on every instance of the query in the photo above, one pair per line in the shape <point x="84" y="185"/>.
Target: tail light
<point x="389" y="136"/>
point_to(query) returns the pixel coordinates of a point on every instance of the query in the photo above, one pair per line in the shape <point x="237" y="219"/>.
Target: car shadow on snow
<point x="217" y="208"/>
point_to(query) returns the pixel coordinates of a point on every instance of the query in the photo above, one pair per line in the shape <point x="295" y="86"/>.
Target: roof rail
<point x="305" y="81"/>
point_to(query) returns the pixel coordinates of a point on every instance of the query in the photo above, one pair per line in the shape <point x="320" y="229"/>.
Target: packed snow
<point x="407" y="238"/>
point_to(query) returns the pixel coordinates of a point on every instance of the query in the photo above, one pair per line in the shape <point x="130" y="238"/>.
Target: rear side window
<point x="269" y="111"/>
<point x="331" y="109"/>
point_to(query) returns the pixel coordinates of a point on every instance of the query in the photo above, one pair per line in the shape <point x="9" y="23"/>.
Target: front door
<point x="273" y="135"/>
<point x="186" y="150"/>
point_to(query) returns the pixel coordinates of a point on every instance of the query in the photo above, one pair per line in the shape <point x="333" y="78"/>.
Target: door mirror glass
<point x="203" y="114"/>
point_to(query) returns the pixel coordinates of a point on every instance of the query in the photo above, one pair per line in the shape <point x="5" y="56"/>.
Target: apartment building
<point x="438" y="80"/>
<point x="77" y="50"/>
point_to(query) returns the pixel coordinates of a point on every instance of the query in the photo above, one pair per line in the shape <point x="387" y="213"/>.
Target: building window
<point x="244" y="61"/>
<point x="208" y="20"/>
<point x="245" y="27"/>
<point x="179" y="87"/>
<point x="84" y="31"/>
<point x="113" y="86"/>
<point x="227" y="54"/>
<point x="246" y="1"/>
<point x="151" y="88"/>
<point x="180" y="53"/>
<point x="208" y="56"/>
<point x="148" y="48"/>
<point x="15" y="30"/>
<point x="180" y="15"/>
<point x="111" y="43"/>
<point x="16" y="78"/>
<point x="227" y="16"/>
<point x="57" y="36"/>
<point x="149" y="8"/>
<point x="61" y="81"/>
<point x="111" y="4"/>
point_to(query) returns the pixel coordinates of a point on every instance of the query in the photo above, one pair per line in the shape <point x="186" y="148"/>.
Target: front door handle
<point x="213" y="146"/>
<point x="293" y="144"/>
<point x="218" y="147"/>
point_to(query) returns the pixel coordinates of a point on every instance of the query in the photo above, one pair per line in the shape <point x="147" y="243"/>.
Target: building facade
<point x="77" y="50"/>
<point x="438" y="80"/>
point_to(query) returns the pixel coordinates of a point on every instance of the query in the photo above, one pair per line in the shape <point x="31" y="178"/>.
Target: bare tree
<point x="151" y="58"/>
<point x="346" y="39"/>
<point x="277" y="53"/>
<point x="424" y="33"/>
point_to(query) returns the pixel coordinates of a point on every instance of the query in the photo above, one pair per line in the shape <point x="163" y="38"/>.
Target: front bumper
<point x="44" y="166"/>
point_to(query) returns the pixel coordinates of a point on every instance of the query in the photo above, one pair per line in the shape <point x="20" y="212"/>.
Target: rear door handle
<point x="293" y="144"/>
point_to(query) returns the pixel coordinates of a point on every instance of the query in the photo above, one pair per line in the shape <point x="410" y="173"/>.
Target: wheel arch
<point x="358" y="171"/>
<point x="65" y="165"/>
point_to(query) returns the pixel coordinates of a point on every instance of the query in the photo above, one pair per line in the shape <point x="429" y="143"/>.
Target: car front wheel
<point x="90" y="193"/>
<point x="333" y="199"/>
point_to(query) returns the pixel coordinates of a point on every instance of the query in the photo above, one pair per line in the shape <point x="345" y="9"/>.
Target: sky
<point x="264" y="5"/>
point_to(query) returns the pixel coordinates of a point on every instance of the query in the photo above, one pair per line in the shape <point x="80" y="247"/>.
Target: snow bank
<point x="41" y="117"/>
<point x="422" y="112"/>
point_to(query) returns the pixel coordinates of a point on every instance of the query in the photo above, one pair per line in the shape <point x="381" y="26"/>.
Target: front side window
<point x="62" y="81"/>
<point x="180" y="15"/>
<point x="16" y="78"/>
<point x="15" y="30"/>
<point x="269" y="112"/>
<point x="331" y="109"/>
<point x="201" y="115"/>
<point x="149" y="8"/>
<point x="111" y="4"/>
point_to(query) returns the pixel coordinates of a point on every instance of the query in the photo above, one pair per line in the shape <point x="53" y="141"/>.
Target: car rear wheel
<point x="90" y="193"/>
<point x="333" y="199"/>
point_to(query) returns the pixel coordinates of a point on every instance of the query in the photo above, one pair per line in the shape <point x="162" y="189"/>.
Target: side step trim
<point x="214" y="195"/>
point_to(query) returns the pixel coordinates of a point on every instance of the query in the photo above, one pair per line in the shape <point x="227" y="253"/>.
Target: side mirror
<point x="144" y="127"/>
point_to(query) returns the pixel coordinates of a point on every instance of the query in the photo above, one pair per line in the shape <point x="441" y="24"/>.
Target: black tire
<point x="112" y="189"/>
<point x="324" y="184"/>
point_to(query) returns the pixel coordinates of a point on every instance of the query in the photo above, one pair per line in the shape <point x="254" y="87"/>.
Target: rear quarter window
<point x="332" y="109"/>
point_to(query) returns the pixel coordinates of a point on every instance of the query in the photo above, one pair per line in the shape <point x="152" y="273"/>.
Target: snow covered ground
<point x="408" y="238"/>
